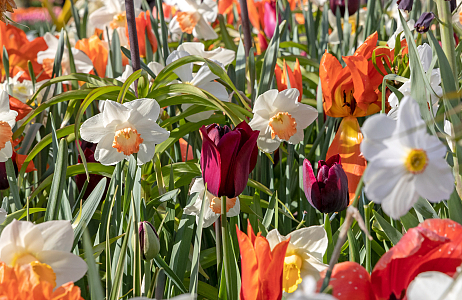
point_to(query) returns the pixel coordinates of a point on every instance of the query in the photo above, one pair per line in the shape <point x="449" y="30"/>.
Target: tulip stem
<point x="218" y="245"/>
<point x="133" y="38"/>
<point x="224" y="232"/>
<point x="246" y="26"/>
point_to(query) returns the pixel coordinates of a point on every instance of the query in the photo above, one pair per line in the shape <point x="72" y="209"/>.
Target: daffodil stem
<point x="447" y="34"/>
<point x="246" y="26"/>
<point x="133" y="38"/>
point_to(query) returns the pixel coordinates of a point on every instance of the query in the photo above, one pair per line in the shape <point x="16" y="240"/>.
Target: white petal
<point x="203" y="76"/>
<point x="436" y="183"/>
<point x="376" y="129"/>
<point x="425" y="55"/>
<point x="93" y="130"/>
<point x="287" y="100"/>
<point x="67" y="266"/>
<point x="216" y="89"/>
<point x="235" y="210"/>
<point x="153" y="133"/>
<point x="57" y="235"/>
<point x="204" y="30"/>
<point x="274" y="237"/>
<point x="208" y="10"/>
<point x="265" y="101"/>
<point x="185" y="71"/>
<point x="267" y="144"/>
<point x="410" y="123"/>
<point x="429" y="286"/>
<point x="141" y="109"/>
<point x="106" y="154"/>
<point x="313" y="239"/>
<point x="6" y="152"/>
<point x="23" y="234"/>
<point x="259" y="123"/>
<point x="222" y="55"/>
<point x="401" y="198"/>
<point x="155" y="67"/>
<point x="83" y="63"/>
<point x="101" y="17"/>
<point x="146" y="152"/>
<point x="115" y="113"/>
<point x="204" y="115"/>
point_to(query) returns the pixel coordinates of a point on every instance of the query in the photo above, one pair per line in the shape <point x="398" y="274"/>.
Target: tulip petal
<point x="228" y="147"/>
<point x="249" y="267"/>
<point x="210" y="163"/>
<point x="272" y="276"/>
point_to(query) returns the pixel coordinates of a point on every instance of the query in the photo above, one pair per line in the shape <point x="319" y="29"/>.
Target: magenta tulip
<point x="269" y="18"/>
<point x="227" y="158"/>
<point x="329" y="191"/>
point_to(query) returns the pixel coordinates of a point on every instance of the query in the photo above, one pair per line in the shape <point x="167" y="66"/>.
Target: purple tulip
<point x="329" y="192"/>
<point x="423" y="23"/>
<point x="353" y="6"/>
<point x="227" y="158"/>
<point x="269" y="18"/>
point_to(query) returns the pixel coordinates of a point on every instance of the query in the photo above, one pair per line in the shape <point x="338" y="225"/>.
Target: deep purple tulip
<point x="269" y="18"/>
<point x="227" y="158"/>
<point x="3" y="179"/>
<point x="405" y="4"/>
<point x="353" y="6"/>
<point x="329" y="192"/>
<point x="423" y="23"/>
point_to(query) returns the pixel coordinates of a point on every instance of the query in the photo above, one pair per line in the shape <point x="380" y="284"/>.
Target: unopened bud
<point x="143" y="84"/>
<point x="149" y="240"/>
<point x="423" y="23"/>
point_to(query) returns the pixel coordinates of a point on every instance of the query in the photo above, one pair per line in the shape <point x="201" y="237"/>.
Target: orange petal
<point x="298" y="79"/>
<point x="368" y="46"/>
<point x="254" y="15"/>
<point x="22" y="108"/>
<point x="249" y="267"/>
<point x="347" y="143"/>
<point x="272" y="278"/>
<point x="183" y="145"/>
<point x="20" y="158"/>
<point x="328" y="73"/>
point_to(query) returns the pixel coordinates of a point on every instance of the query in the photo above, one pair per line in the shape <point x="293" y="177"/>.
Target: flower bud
<point x="423" y="23"/>
<point x="149" y="240"/>
<point x="143" y="84"/>
<point x="329" y="191"/>
<point x="405" y="4"/>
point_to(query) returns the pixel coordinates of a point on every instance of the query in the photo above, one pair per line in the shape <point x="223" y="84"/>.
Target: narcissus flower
<point x="261" y="267"/>
<point x="49" y="243"/>
<point x="227" y="158"/>
<point x="303" y="256"/>
<point x="112" y="14"/>
<point x="435" y="285"/>
<point x="286" y="77"/>
<point x="307" y="291"/>
<point x="7" y="121"/>
<point x="329" y="191"/>
<point x="121" y="130"/>
<point x="405" y="157"/>
<point x="434" y="245"/>
<point x="212" y="205"/>
<point x="220" y="54"/>
<point x="194" y="17"/>
<point x="34" y="281"/>
<point x="97" y="51"/>
<point x="280" y="117"/>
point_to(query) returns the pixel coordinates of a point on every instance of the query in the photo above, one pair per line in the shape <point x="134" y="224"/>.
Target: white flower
<point x="399" y="29"/>
<point x="333" y="36"/>
<point x="203" y="79"/>
<point x="307" y="291"/>
<point x="212" y="205"/>
<point x="194" y="17"/>
<point x="405" y="162"/>
<point x="434" y="285"/>
<point x="112" y="14"/>
<point x="50" y="243"/>
<point x="82" y="62"/>
<point x="2" y="215"/>
<point x="7" y="121"/>
<point x="124" y="129"/>
<point x="425" y="57"/>
<point x="280" y="117"/>
<point x="303" y="256"/>
<point x="222" y="55"/>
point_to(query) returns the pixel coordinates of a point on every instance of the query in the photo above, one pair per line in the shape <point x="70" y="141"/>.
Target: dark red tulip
<point x="353" y="6"/>
<point x="423" y="23"/>
<point x="89" y="152"/>
<point x="227" y="158"/>
<point x="329" y="191"/>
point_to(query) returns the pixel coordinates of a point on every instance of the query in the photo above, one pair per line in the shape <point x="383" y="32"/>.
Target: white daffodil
<point x="23" y="90"/>
<point x="399" y="29"/>
<point x="203" y="79"/>
<point x="7" y="121"/>
<point x="425" y="57"/>
<point x="307" y="291"/>
<point x="212" y="205"/>
<point x="434" y="285"/>
<point x="303" y="256"/>
<point x="405" y="162"/>
<point x="124" y="129"/>
<point x="280" y="117"/>
<point x="222" y="55"/>
<point x="194" y="17"/>
<point x="82" y="62"/>
<point x="112" y="14"/>
<point x="2" y="215"/>
<point x="50" y="243"/>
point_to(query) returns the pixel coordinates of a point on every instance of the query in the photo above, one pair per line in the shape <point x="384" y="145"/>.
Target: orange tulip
<point x="20" y="107"/>
<point x="286" y="75"/>
<point x="97" y="51"/>
<point x="255" y="8"/>
<point x="143" y="25"/>
<point x="352" y="92"/>
<point x="20" y="50"/>
<point x="261" y="268"/>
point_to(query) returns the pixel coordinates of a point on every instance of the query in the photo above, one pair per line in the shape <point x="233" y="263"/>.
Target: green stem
<point x="447" y="35"/>
<point x="224" y="233"/>
<point x="367" y="216"/>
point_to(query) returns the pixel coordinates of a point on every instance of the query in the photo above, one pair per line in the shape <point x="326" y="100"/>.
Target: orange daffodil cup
<point x="350" y="92"/>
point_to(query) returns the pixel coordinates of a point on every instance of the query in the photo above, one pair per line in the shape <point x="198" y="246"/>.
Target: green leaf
<point x="455" y="207"/>
<point x="94" y="281"/>
<point x="393" y="235"/>
<point x="409" y="221"/>
<point x="58" y="183"/>
<point x="170" y="274"/>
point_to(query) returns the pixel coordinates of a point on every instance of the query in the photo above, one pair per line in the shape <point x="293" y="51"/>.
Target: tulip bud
<point x="353" y="6"/>
<point x="143" y="84"/>
<point x="329" y="191"/>
<point x="423" y="23"/>
<point x="405" y="4"/>
<point x="149" y="240"/>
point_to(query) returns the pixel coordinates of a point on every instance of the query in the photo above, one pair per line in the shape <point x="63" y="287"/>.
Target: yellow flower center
<point x="416" y="161"/>
<point x="127" y="140"/>
<point x="118" y="21"/>
<point x="291" y="276"/>
<point x="187" y="20"/>
<point x="215" y="204"/>
<point x="283" y="126"/>
<point x="5" y="134"/>
<point x="44" y="272"/>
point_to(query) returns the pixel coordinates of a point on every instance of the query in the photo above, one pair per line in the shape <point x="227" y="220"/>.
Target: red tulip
<point x="329" y="191"/>
<point x="261" y="268"/>
<point x="227" y="158"/>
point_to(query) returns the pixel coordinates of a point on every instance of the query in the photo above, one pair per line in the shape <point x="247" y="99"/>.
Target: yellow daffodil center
<point x="416" y="161"/>
<point x="283" y="125"/>
<point x="44" y="272"/>
<point x="127" y="140"/>
<point x="118" y="21"/>
<point x="215" y="204"/>
<point x="5" y="134"/>
<point x="23" y="259"/>
<point x="291" y="276"/>
<point x="187" y="21"/>
<point x="20" y="89"/>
